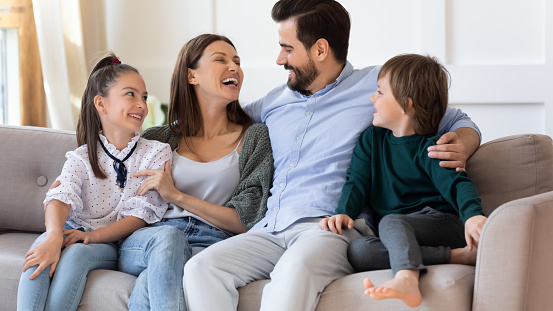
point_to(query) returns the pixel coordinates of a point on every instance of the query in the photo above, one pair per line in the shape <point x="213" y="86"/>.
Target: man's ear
<point x="320" y="50"/>
<point x="100" y="104"/>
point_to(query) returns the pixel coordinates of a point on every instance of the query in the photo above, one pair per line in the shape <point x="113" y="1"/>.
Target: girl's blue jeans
<point x="64" y="290"/>
<point x="157" y="253"/>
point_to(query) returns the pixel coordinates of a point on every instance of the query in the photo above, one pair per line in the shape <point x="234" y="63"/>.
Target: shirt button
<point x="281" y="185"/>
<point x="298" y="138"/>
<point x="274" y="208"/>
<point x="307" y="113"/>
<point x="292" y="165"/>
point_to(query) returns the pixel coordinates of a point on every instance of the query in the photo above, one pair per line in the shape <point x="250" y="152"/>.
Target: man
<point x="314" y="122"/>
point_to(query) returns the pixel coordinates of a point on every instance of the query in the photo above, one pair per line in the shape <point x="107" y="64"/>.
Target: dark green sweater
<point x="256" y="170"/>
<point x="394" y="175"/>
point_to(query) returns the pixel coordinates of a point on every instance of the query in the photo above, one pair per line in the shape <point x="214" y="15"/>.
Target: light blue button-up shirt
<point x="313" y="138"/>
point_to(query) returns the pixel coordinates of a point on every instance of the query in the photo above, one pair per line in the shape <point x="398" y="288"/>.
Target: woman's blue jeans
<point x="156" y="255"/>
<point x="65" y="289"/>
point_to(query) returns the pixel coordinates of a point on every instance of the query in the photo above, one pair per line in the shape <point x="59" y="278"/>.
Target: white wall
<point x="499" y="52"/>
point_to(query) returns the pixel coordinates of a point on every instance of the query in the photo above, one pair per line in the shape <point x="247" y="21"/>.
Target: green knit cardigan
<point x="256" y="170"/>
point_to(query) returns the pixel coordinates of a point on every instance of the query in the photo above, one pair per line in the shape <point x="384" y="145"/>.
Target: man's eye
<point x="145" y="98"/>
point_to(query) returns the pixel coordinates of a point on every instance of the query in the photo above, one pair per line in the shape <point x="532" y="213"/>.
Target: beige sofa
<point x="514" y="271"/>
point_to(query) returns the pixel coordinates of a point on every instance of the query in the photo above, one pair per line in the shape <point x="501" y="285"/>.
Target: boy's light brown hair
<point x="425" y="81"/>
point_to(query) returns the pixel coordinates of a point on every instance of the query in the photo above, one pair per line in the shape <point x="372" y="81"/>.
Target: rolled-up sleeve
<point x="73" y="175"/>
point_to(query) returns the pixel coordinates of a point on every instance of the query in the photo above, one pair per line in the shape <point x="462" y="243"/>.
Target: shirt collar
<point x="113" y="150"/>
<point x="346" y="72"/>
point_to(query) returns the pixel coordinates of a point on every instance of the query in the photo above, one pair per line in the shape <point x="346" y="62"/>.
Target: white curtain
<point x="62" y="55"/>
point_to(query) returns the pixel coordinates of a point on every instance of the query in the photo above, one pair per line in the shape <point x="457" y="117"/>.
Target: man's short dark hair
<point x="316" y="19"/>
<point x="425" y="81"/>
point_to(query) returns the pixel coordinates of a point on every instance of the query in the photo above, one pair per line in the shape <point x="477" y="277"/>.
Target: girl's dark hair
<point x="103" y="76"/>
<point x="316" y="19"/>
<point x="184" y="115"/>
<point x="423" y="80"/>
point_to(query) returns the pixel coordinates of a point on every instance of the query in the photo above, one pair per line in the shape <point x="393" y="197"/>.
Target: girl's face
<point x="124" y="109"/>
<point x="218" y="76"/>
<point x="387" y="111"/>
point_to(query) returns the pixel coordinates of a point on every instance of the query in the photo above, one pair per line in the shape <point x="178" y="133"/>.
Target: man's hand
<point x="454" y="148"/>
<point x="336" y="223"/>
<point x="451" y="150"/>
<point x="473" y="229"/>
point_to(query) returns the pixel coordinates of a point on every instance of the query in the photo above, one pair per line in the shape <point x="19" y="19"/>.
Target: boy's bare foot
<point x="404" y="286"/>
<point x="463" y="256"/>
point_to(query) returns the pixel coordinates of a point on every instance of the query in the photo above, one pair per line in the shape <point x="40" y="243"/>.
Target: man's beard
<point x="304" y="77"/>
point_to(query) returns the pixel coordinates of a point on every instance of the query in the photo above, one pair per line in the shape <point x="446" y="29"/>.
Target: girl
<point x="96" y="203"/>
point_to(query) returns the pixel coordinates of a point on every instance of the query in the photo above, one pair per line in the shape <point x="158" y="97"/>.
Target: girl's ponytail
<point x="102" y="77"/>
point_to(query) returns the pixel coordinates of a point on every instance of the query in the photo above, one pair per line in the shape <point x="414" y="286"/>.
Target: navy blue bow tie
<point x="119" y="166"/>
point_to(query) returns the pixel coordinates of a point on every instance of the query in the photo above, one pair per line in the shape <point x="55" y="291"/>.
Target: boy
<point x="414" y="200"/>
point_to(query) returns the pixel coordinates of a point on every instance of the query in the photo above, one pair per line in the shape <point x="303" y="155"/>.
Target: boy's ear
<point x="320" y="50"/>
<point x="100" y="104"/>
<point x="191" y="77"/>
<point x="409" y="107"/>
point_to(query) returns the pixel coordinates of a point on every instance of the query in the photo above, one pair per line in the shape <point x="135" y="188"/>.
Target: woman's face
<point x="218" y="76"/>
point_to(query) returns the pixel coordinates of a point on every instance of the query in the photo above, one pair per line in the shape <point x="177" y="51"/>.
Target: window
<point x="10" y="112"/>
<point x="22" y="98"/>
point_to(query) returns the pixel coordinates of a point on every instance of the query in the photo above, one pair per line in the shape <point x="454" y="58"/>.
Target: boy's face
<point x="387" y="111"/>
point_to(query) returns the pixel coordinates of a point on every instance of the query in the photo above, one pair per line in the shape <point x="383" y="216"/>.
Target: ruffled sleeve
<point x="73" y="175"/>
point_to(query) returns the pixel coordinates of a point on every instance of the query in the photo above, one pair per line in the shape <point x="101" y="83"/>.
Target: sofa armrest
<point x="514" y="267"/>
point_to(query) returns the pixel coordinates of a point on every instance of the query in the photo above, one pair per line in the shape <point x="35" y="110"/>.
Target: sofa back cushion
<point x="31" y="159"/>
<point x="511" y="168"/>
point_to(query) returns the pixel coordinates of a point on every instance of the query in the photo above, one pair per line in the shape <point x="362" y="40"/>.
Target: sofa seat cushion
<point x="114" y="287"/>
<point x="443" y="287"/>
<point x="106" y="290"/>
<point x="13" y="247"/>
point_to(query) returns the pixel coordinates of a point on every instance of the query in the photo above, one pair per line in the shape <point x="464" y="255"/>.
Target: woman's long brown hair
<point x="184" y="115"/>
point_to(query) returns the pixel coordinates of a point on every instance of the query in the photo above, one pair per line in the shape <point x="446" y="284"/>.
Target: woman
<point x="220" y="179"/>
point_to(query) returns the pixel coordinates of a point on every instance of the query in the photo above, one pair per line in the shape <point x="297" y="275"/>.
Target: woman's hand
<point x="160" y="180"/>
<point x="46" y="253"/>
<point x="473" y="229"/>
<point x="336" y="222"/>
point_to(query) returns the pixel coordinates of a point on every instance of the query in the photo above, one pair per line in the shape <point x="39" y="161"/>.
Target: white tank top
<point x="213" y="182"/>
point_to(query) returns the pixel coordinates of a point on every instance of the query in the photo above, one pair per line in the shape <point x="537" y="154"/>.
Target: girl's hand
<point x="160" y="180"/>
<point x="473" y="229"/>
<point x="336" y="222"/>
<point x="73" y="236"/>
<point x="46" y="253"/>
